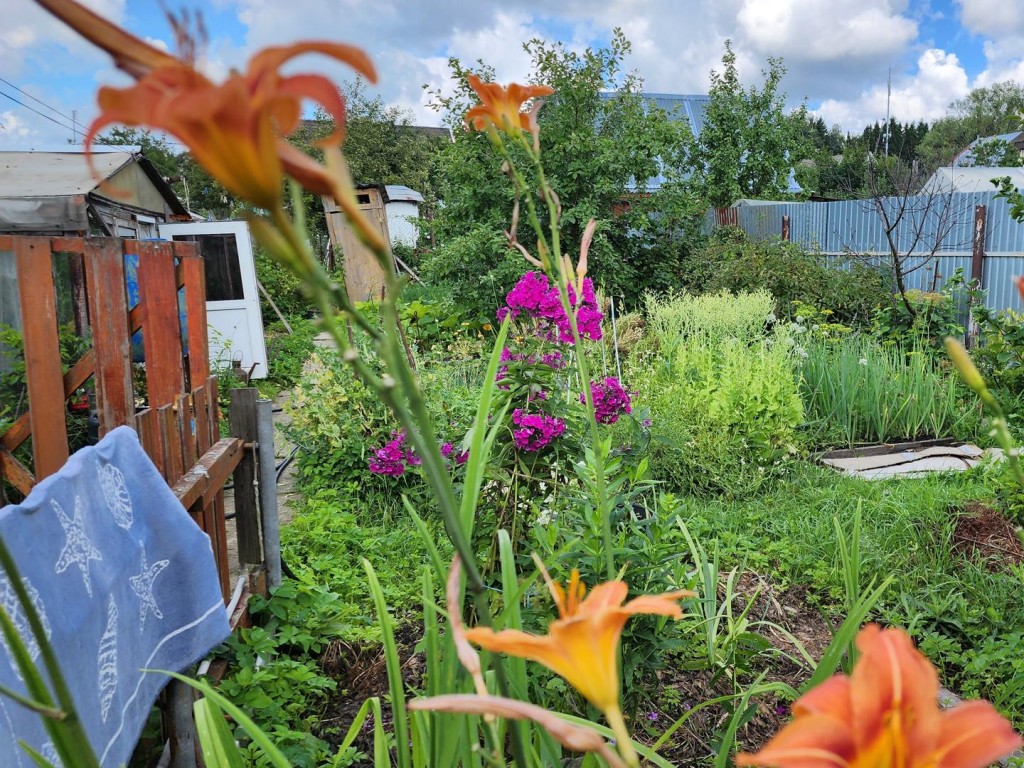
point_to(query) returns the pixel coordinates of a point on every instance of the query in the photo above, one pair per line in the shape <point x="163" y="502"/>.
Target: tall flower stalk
<point x="499" y="115"/>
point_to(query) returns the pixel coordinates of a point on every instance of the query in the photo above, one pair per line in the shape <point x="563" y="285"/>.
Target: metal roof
<point x="56" y="174"/>
<point x="974" y="179"/>
<point x="966" y="158"/>
<point x="399" y="193"/>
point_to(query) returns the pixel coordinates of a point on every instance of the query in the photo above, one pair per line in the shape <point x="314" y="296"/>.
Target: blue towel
<point x="124" y="580"/>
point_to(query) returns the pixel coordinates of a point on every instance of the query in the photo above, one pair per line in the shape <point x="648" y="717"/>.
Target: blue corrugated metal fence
<point x="942" y="225"/>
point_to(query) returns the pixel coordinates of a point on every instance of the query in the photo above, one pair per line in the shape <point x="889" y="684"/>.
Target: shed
<point x="402" y="206"/>
<point x="364" y="278"/>
<point x="56" y="193"/>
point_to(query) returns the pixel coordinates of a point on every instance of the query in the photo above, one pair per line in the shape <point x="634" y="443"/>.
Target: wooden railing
<point x="176" y="410"/>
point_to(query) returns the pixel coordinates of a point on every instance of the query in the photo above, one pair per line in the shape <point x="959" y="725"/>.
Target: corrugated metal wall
<point x="943" y="224"/>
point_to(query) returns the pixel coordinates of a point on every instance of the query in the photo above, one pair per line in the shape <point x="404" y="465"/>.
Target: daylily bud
<point x="965" y="365"/>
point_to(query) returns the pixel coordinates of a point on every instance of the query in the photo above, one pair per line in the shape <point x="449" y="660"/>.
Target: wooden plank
<point x="170" y="438"/>
<point x="6" y="243"/>
<point x="76" y="376"/>
<point x="42" y="354"/>
<point x="202" y="482"/>
<point x="149" y="434"/>
<point x="247" y="523"/>
<point x="194" y="279"/>
<point x="69" y="244"/>
<point x="108" y="311"/>
<point x="161" y="327"/>
<point x="200" y="400"/>
<point x="15" y="473"/>
<point x="186" y="429"/>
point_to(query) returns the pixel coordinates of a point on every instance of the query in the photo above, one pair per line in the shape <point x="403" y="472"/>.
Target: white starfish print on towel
<point x="16" y="612"/>
<point x="142" y="585"/>
<point x="115" y="493"/>
<point x="78" y="549"/>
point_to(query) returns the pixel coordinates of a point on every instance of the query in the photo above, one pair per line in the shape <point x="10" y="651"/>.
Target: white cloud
<point x="814" y="31"/>
<point x="994" y="18"/>
<point x="925" y="95"/>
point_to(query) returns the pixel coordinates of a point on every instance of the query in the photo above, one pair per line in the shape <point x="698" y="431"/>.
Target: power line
<point x="41" y="114"/>
<point x="40" y="101"/>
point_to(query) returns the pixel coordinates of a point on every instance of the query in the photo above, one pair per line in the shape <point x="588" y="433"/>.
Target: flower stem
<point x="623" y="741"/>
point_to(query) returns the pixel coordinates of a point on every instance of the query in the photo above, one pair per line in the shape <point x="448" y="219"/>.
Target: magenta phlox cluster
<point x="611" y="400"/>
<point x="533" y="431"/>
<point x="534" y="297"/>
<point x="393" y="459"/>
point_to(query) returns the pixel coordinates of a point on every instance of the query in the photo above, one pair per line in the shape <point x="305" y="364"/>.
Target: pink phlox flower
<point x="446" y="450"/>
<point x="611" y="400"/>
<point x="535" y="298"/>
<point x="535" y="430"/>
<point x="461" y="457"/>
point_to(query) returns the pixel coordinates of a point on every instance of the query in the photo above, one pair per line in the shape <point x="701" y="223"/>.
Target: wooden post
<point x="977" y="267"/>
<point x="785" y="228"/>
<point x="978" y="246"/>
<point x="181" y="727"/>
<point x="268" y="493"/>
<point x="242" y="416"/>
<point x="108" y="311"/>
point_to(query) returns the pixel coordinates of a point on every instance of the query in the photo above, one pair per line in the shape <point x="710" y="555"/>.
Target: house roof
<point x="947" y="179"/>
<point x="66" y="173"/>
<point x="56" y="174"/>
<point x="966" y="158"/>
<point x="399" y="193"/>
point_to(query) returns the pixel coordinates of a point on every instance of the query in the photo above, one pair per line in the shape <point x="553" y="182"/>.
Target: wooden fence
<point x="171" y="400"/>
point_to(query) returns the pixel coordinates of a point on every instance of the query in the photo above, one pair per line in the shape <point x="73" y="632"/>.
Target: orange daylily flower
<point x="582" y="645"/>
<point x="502" y="106"/>
<point x="886" y="715"/>
<point x="235" y="128"/>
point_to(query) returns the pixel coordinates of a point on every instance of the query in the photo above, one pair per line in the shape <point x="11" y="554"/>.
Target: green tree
<point x="748" y="144"/>
<point x="603" y="142"/>
<point x="382" y="146"/>
<point x="983" y="112"/>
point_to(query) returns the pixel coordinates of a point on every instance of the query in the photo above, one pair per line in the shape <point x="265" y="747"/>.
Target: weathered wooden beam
<point x="15" y="472"/>
<point x="42" y="354"/>
<point x="210" y="473"/>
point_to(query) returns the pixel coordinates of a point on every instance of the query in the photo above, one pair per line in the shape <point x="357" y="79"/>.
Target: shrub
<point x="722" y="393"/>
<point x="856" y="390"/>
<point x="287" y="352"/>
<point x="478" y="268"/>
<point x="732" y="262"/>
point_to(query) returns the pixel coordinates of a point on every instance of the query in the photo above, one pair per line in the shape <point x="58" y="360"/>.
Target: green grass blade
<point x="215" y="738"/>
<point x="253" y="731"/>
<point x="394" y="666"/>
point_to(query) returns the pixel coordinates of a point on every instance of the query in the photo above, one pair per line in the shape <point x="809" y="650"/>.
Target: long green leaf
<point x="215" y="738"/>
<point x="394" y="666"/>
<point x="646" y="752"/>
<point x="833" y="655"/>
<point x="254" y="732"/>
<point x="477" y="455"/>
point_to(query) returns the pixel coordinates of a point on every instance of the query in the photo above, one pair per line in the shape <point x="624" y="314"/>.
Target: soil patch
<point x="982" y="534"/>
<point x="361" y="672"/>
<point x="784" y="618"/>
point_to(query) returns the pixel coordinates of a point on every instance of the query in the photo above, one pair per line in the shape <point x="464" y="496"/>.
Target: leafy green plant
<point x="856" y="390"/>
<point x="722" y="392"/>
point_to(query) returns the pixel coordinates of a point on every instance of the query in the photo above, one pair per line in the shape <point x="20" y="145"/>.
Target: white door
<point x="232" y="299"/>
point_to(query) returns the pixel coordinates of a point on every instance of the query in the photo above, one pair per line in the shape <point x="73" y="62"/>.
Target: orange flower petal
<point x="893" y="680"/>
<point x="502" y="107"/>
<point x="974" y="735"/>
<point x="315" y="88"/>
<point x="830" y="698"/>
<point x="814" y="741"/>
<point x="659" y="605"/>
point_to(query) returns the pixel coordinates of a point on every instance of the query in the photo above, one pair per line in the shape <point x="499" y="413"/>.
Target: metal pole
<point x="268" y="492"/>
<point x="615" y="340"/>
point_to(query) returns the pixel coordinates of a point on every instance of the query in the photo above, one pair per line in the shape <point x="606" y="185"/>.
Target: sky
<point x="838" y="53"/>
